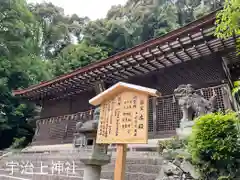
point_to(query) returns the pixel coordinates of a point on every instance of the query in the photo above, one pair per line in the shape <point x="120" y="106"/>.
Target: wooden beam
<point x="160" y="65"/>
<point x="196" y="49"/>
<point x="131" y="67"/>
<point x="182" y="46"/>
<point x="164" y="55"/>
<point x="77" y="84"/>
<point x="134" y="70"/>
<point x="156" y="58"/>
<point x="121" y="69"/>
<point x="127" y="72"/>
<point x="149" y="63"/>
<point x="139" y="67"/>
<point x="120" y="75"/>
<point x="208" y="46"/>
<point x="177" y="56"/>
<point x="102" y="75"/>
<point x="222" y="42"/>
<point x="146" y="61"/>
<point x="113" y="71"/>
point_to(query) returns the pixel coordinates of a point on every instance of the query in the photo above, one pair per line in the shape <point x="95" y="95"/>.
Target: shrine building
<point x="188" y="55"/>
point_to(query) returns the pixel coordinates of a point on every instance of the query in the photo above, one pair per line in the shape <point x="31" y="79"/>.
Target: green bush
<point x="173" y="143"/>
<point x="214" y="145"/>
<point x="18" y="143"/>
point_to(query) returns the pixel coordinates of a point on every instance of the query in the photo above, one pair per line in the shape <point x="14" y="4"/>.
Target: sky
<point x="94" y="9"/>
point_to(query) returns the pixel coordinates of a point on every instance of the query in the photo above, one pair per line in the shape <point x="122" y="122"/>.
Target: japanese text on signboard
<point x="124" y="119"/>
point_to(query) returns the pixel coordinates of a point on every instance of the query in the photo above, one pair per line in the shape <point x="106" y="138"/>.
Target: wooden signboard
<point x="123" y="119"/>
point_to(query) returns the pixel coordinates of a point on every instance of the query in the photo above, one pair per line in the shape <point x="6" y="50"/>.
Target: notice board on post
<point x="123" y="114"/>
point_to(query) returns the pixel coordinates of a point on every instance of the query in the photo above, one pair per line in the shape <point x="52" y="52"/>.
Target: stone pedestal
<point x="94" y="162"/>
<point x="96" y="156"/>
<point x="185" y="129"/>
<point x="92" y="172"/>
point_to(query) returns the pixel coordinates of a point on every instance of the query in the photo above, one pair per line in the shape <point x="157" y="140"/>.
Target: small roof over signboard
<point x="118" y="88"/>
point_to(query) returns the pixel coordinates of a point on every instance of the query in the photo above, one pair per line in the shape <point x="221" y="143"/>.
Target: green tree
<point x="15" y="24"/>
<point x="132" y="24"/>
<point x="228" y="21"/>
<point x="57" y="29"/>
<point x="76" y="56"/>
<point x="20" y="66"/>
<point x="128" y="25"/>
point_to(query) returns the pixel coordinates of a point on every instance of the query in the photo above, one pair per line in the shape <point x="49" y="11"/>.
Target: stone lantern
<point x="96" y="156"/>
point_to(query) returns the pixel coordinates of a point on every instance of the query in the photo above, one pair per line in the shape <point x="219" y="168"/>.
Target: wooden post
<point x="154" y="111"/>
<point x="119" y="172"/>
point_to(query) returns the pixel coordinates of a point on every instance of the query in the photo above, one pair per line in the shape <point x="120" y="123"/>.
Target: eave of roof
<point x="204" y="21"/>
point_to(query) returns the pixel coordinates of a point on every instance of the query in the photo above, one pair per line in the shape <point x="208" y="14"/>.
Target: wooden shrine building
<point x="188" y="55"/>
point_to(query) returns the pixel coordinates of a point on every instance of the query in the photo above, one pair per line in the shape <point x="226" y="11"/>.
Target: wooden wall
<point x="200" y="73"/>
<point x="70" y="105"/>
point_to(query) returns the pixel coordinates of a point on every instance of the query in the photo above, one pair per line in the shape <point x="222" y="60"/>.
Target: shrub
<point x="173" y="143"/>
<point x="18" y="143"/>
<point x="214" y="146"/>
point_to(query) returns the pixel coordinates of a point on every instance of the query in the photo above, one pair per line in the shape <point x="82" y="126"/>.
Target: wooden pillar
<point x="99" y="86"/>
<point x="154" y="111"/>
<point x="226" y="94"/>
<point x="226" y="71"/>
<point x="120" y="164"/>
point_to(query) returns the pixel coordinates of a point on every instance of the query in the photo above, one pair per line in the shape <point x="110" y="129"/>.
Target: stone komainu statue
<point x="192" y="104"/>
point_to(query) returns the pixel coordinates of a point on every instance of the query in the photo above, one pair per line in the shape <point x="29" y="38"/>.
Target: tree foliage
<point x="20" y="67"/>
<point x="57" y="29"/>
<point x="76" y="56"/>
<point x="15" y="24"/>
<point x="228" y="21"/>
<point x="138" y="21"/>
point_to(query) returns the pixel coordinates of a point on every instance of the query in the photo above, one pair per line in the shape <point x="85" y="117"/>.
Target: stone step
<point x="131" y="168"/>
<point x="149" y="162"/>
<point x="138" y="167"/>
<point x="106" y="175"/>
<point x="130" y="176"/>
<point x="39" y="177"/>
<point x="47" y="172"/>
